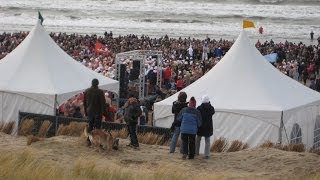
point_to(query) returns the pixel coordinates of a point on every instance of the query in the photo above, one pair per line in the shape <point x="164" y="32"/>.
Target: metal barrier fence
<point x="59" y="120"/>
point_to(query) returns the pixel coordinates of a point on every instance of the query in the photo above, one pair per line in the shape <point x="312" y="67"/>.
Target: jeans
<point x="188" y="141"/>
<point x="174" y="140"/>
<point x="94" y="121"/>
<point x="132" y="129"/>
<point x="206" y="147"/>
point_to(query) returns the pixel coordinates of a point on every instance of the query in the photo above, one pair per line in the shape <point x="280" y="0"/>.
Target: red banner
<point x="101" y="48"/>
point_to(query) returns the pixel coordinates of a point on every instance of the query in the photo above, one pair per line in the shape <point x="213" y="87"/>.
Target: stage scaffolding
<point x="141" y="55"/>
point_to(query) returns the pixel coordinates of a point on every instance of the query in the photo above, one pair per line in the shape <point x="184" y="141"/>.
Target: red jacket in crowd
<point x="167" y="73"/>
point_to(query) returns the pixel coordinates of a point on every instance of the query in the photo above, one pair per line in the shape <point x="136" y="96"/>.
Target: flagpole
<point x="40" y="17"/>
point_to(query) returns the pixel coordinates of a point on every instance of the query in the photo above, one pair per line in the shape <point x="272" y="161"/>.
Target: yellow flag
<point x="248" y="24"/>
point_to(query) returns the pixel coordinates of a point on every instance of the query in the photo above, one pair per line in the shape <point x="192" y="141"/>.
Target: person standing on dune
<point x="206" y="129"/>
<point x="191" y="120"/>
<point x="95" y="106"/>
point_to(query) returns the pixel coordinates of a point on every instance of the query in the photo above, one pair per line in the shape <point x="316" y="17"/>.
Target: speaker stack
<point x="135" y="71"/>
<point x="123" y="81"/>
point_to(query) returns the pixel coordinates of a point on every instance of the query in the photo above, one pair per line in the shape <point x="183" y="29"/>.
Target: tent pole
<point x="55" y="112"/>
<point x="280" y="129"/>
<point x="2" y="100"/>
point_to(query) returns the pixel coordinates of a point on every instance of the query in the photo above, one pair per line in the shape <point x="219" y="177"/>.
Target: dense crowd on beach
<point x="184" y="59"/>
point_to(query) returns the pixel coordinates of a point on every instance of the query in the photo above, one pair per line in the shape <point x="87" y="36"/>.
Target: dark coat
<point x="132" y="111"/>
<point x="94" y="102"/>
<point x="176" y="108"/>
<point x="206" y="110"/>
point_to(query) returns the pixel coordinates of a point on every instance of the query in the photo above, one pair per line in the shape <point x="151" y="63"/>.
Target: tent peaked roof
<point x="244" y="80"/>
<point x="39" y="65"/>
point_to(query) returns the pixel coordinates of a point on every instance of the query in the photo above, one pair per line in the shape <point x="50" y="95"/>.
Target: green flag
<point x="40" y="17"/>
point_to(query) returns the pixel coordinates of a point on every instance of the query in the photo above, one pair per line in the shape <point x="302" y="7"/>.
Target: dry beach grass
<point x="67" y="157"/>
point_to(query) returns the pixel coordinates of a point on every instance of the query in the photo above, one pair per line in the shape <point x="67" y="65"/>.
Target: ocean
<point x="282" y="20"/>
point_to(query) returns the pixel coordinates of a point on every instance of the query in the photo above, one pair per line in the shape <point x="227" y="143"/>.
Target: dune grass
<point x="286" y="147"/>
<point x="150" y="138"/>
<point x="73" y="129"/>
<point x="313" y="150"/>
<point x="26" y="127"/>
<point x="31" y="139"/>
<point x="237" y="146"/>
<point x="45" y="126"/>
<point x="219" y="145"/>
<point x="122" y="133"/>
<point x="7" y="127"/>
<point x="25" y="165"/>
<point x="76" y="129"/>
<point x="28" y="165"/>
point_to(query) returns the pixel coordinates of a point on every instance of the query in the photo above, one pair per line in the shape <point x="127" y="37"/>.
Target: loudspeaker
<point x="134" y="74"/>
<point x="135" y="71"/>
<point x="136" y="64"/>
<point x="123" y="82"/>
<point x="122" y="71"/>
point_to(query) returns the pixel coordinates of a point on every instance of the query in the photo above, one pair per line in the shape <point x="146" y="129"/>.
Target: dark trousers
<point x="132" y="129"/>
<point x="167" y="83"/>
<point x="179" y="88"/>
<point x="188" y="144"/>
<point x="94" y="121"/>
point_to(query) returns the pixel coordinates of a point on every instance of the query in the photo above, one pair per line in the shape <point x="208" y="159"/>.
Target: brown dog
<point x="101" y="138"/>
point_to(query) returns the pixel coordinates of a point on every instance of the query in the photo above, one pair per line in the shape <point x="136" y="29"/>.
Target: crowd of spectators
<point x="185" y="59"/>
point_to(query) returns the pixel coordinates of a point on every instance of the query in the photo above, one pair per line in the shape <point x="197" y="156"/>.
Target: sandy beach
<point x="69" y="152"/>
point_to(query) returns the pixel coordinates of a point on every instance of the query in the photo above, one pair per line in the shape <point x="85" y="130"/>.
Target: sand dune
<point x="64" y="151"/>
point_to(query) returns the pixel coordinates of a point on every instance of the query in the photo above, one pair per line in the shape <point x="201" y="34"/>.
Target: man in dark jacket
<point x="206" y="129"/>
<point x="94" y="105"/>
<point x="132" y="112"/>
<point x="175" y="127"/>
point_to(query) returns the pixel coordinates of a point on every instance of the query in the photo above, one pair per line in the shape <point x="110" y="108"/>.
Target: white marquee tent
<point x="254" y="101"/>
<point x="38" y="75"/>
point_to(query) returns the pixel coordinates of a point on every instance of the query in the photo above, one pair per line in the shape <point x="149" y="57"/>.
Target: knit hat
<point x="205" y="99"/>
<point x="192" y="102"/>
<point x="182" y="97"/>
<point x="95" y="82"/>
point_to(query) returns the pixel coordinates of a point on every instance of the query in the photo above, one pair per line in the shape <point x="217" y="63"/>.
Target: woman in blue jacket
<point x="190" y="119"/>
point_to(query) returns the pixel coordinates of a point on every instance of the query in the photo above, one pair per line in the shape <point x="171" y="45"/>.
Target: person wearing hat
<point x="132" y="112"/>
<point x="95" y="105"/>
<point x="190" y="119"/>
<point x="206" y="129"/>
<point x="177" y="106"/>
